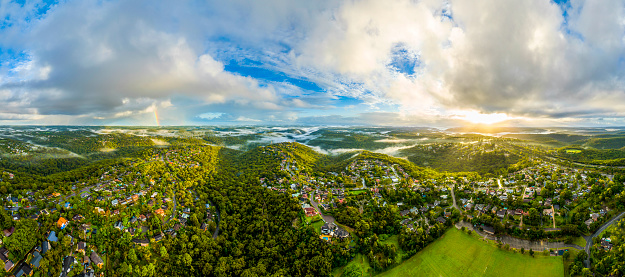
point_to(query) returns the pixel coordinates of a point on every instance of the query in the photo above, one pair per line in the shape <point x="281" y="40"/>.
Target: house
<point x="8" y="265"/>
<point x="489" y="230"/>
<point x="310" y="211"/>
<point x="62" y="223"/>
<point x="160" y="212"/>
<point x="81" y="247"/>
<point x="158" y="237"/>
<point x="501" y="213"/>
<point x="36" y="259"/>
<point x="85" y="260"/>
<point x="77" y="217"/>
<point x="45" y="246"/>
<point x="67" y="265"/>
<point x="328" y="228"/>
<point x="594" y="216"/>
<point x="588" y="222"/>
<point x="119" y="225"/>
<point x="96" y="260"/>
<point x="340" y="233"/>
<point x="99" y="210"/>
<point x="548" y="212"/>
<point x="3" y="258"/>
<point x="142" y="242"/>
<point x="23" y="270"/>
<point x="52" y="237"/>
<point x="606" y="244"/>
<point x="441" y="220"/>
<point x="9" y="232"/>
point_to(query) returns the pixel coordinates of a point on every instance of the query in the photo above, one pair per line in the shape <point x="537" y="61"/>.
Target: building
<point x="142" y="242"/>
<point x="489" y="230"/>
<point x="23" y="270"/>
<point x="36" y="259"/>
<point x="62" y="223"/>
<point x="96" y="260"/>
<point x="52" y="237"/>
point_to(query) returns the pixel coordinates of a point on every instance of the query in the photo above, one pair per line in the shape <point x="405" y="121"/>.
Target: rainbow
<point x="156" y="117"/>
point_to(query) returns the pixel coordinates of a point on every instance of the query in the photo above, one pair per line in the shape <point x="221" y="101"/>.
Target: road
<point x="601" y="229"/>
<point x="519" y="243"/>
<point x="453" y="196"/>
<point x="173" y="212"/>
<point x="217" y="222"/>
<point x="326" y="218"/>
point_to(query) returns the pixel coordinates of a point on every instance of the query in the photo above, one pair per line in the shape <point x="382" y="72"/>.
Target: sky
<point x="323" y="62"/>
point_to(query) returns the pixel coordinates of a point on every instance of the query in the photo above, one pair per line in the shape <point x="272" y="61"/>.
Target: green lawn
<point x="580" y="241"/>
<point x="317" y="225"/>
<point x="458" y="254"/>
<point x="357" y="192"/>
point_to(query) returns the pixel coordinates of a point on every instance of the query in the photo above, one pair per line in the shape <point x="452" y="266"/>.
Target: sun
<point x="481" y="118"/>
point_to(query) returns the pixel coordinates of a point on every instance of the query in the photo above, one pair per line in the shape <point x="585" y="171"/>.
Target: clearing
<point x="459" y="254"/>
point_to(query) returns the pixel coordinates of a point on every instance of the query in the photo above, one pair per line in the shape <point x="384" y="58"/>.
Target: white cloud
<point x="115" y="59"/>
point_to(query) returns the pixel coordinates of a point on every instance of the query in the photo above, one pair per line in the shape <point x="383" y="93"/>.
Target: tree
<point x="532" y="252"/>
<point x="352" y="270"/>
<point x="186" y="259"/>
<point x="163" y="252"/>
<point x="566" y="255"/>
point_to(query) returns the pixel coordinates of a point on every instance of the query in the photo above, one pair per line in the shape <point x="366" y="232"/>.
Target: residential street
<point x="603" y="227"/>
<point x="326" y="218"/>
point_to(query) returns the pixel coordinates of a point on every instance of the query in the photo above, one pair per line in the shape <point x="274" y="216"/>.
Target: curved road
<point x="453" y="196"/>
<point x="326" y="218"/>
<point x="596" y="233"/>
<point x="519" y="243"/>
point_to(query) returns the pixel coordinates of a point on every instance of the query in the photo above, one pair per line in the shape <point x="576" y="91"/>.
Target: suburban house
<point x="96" y="260"/>
<point x="62" y="223"/>
<point x="489" y="230"/>
<point x="160" y="212"/>
<point x="36" y="259"/>
<point x="23" y="270"/>
<point x="142" y="242"/>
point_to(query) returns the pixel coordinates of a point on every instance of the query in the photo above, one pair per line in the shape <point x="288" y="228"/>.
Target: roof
<point x="52" y="236"/>
<point x="44" y="247"/>
<point x="489" y="229"/>
<point x="140" y="241"/>
<point x="62" y="221"/>
<point x="9" y="232"/>
<point x="36" y="259"/>
<point x="95" y="258"/>
<point x="23" y="270"/>
<point x="8" y="265"/>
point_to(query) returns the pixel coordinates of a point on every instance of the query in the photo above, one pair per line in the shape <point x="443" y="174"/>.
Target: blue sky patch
<point x="404" y="60"/>
<point x="263" y="74"/>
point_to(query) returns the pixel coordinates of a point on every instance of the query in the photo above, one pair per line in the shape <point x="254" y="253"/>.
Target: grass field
<point x="580" y="241"/>
<point x="317" y="225"/>
<point x="362" y="263"/>
<point x="458" y="254"/>
<point x="357" y="192"/>
<point x="573" y="151"/>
